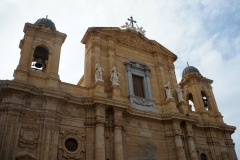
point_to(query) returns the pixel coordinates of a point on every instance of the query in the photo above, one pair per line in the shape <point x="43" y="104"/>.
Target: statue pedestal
<point x="98" y="89"/>
<point x="183" y="107"/>
<point x="115" y="92"/>
<point x="170" y="106"/>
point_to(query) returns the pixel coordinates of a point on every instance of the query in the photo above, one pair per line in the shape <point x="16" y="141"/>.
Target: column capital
<point x="100" y="109"/>
<point x="118" y="116"/>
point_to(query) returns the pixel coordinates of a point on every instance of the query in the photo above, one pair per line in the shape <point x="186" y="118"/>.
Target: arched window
<point x="40" y="58"/>
<point x="191" y="102"/>
<point x="205" y="100"/>
<point x="203" y="156"/>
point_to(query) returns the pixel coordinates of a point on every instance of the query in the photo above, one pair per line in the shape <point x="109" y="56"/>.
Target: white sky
<point x="205" y="33"/>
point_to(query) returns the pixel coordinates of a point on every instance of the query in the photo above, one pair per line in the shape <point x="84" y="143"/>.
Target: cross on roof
<point x="131" y="21"/>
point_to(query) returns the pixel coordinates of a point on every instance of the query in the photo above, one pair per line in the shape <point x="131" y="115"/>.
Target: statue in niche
<point x="114" y="76"/>
<point x="98" y="72"/>
<point x="179" y="94"/>
<point x="168" y="90"/>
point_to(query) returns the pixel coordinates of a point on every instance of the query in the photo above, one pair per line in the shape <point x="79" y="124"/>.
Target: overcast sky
<point x="204" y="33"/>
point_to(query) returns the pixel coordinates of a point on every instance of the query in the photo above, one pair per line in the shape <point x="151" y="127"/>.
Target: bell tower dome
<point x="199" y="95"/>
<point x="40" y="54"/>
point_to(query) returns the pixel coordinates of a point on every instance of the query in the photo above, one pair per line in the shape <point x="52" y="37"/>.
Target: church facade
<point x="128" y="104"/>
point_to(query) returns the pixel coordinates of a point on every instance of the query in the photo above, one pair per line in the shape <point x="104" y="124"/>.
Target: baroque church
<point x="128" y="104"/>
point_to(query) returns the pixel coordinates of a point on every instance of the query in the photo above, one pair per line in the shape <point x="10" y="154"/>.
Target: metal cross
<point x="131" y="21"/>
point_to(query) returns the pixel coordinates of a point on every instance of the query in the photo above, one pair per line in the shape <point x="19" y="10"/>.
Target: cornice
<point x="198" y="76"/>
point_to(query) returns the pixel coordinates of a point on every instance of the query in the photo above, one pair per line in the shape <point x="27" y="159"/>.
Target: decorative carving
<point x="25" y="157"/>
<point x="28" y="137"/>
<point x="203" y="150"/>
<point x="66" y="110"/>
<point x="148" y="150"/>
<point x="72" y="145"/>
<point x="225" y="155"/>
<point x="135" y="41"/>
<point x="138" y="65"/>
<point x="142" y="102"/>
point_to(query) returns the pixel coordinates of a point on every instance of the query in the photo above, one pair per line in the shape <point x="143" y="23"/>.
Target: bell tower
<point x="40" y="54"/>
<point x="199" y="95"/>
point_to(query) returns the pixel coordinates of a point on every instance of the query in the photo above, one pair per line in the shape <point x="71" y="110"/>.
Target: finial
<point x="46" y="16"/>
<point x="187" y="64"/>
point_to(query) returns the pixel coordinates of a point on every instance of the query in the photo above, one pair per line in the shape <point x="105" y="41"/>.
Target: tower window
<point x="203" y="156"/>
<point x="191" y="102"/>
<point x="40" y="58"/>
<point x="138" y="86"/>
<point x="205" y="100"/>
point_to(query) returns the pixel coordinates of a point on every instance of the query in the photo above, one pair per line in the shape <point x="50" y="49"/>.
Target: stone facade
<point x="42" y="118"/>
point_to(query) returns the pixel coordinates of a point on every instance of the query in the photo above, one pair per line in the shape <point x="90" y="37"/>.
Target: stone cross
<point x="131" y="21"/>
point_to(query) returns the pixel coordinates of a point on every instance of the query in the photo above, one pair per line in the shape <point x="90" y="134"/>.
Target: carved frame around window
<point x="145" y="103"/>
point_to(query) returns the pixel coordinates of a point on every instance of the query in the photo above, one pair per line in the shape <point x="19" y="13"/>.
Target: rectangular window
<point x="138" y="86"/>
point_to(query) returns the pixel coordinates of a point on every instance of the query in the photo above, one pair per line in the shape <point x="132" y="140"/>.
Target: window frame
<point x="145" y="103"/>
<point x="138" y="86"/>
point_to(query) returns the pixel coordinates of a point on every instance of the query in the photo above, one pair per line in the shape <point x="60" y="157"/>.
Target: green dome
<point x="189" y="69"/>
<point x="47" y="22"/>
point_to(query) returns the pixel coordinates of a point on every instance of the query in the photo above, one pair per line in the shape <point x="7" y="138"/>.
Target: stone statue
<point x="168" y="90"/>
<point x="98" y="72"/>
<point x="141" y="30"/>
<point x="128" y="26"/>
<point x="114" y="76"/>
<point x="179" y="94"/>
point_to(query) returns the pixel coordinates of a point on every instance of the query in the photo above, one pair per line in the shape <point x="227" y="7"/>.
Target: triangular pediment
<point x="130" y="38"/>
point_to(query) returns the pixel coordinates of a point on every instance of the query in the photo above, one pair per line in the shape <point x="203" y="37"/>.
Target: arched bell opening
<point x="203" y="156"/>
<point x="205" y="100"/>
<point x="190" y="102"/>
<point x="40" y="58"/>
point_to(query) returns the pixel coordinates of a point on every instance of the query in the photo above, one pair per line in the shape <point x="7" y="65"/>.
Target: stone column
<point x="99" y="136"/>
<point x="191" y="148"/>
<point x="100" y="142"/>
<point x="178" y="140"/>
<point x="118" y="143"/>
<point x="191" y="143"/>
<point x="179" y="148"/>
<point x="90" y="129"/>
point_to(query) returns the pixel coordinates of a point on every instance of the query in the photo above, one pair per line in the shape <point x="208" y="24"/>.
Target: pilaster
<point x="118" y="142"/>
<point x="99" y="135"/>
<point x="190" y="141"/>
<point x="178" y="140"/>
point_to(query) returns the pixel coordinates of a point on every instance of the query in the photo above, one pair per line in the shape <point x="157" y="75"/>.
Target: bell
<point x="39" y="63"/>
